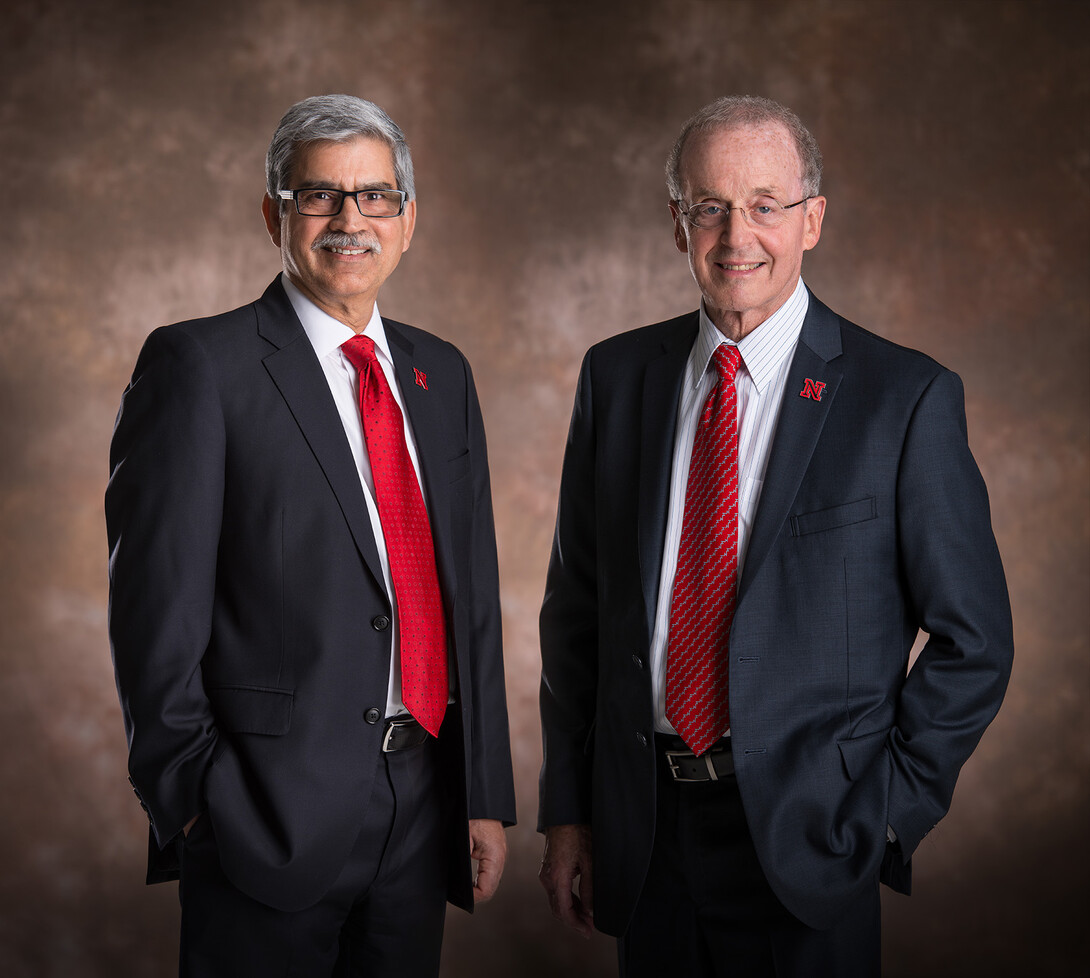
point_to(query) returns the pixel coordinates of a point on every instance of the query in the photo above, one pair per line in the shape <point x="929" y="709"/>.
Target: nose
<point x="736" y="228"/>
<point x="350" y="218"/>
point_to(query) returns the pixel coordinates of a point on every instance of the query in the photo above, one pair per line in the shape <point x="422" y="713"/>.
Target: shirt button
<point x="372" y="715"/>
<point x="380" y="623"/>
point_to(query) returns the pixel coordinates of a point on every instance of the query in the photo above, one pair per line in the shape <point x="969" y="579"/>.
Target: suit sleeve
<point x="569" y="628"/>
<point x="955" y="582"/>
<point x="491" y="788"/>
<point x="163" y="514"/>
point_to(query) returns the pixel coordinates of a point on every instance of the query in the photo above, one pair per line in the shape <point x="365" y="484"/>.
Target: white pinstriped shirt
<point x="766" y="358"/>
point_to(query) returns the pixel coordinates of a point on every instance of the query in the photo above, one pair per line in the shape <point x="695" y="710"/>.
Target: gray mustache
<point x="338" y="239"/>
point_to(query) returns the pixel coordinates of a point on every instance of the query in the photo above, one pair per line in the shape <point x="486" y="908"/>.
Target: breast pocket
<point x="846" y="514"/>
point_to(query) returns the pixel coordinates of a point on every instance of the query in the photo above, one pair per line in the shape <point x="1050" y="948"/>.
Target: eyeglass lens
<point x="322" y="202"/>
<point x="765" y="212"/>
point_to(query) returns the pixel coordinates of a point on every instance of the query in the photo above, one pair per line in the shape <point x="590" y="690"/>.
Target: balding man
<point x="762" y="505"/>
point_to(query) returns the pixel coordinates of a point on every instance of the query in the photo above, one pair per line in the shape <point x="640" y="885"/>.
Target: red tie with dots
<point x="422" y="630"/>
<point x="702" y="607"/>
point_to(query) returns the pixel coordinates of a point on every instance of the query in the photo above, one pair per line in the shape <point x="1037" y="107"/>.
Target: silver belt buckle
<point x="675" y="771"/>
<point x="391" y="727"/>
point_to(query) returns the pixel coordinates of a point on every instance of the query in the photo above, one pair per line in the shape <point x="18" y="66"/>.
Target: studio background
<point x="957" y="157"/>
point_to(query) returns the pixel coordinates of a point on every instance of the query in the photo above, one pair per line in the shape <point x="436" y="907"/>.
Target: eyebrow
<point x="324" y="184"/>
<point x="755" y="192"/>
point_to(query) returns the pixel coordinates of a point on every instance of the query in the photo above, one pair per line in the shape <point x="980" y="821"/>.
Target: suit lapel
<point x="422" y="392"/>
<point x="295" y="370"/>
<point x="661" y="391"/>
<point x="801" y="420"/>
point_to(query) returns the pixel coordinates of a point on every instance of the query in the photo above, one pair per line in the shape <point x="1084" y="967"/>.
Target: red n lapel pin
<point x="812" y="389"/>
<point x="422" y="379"/>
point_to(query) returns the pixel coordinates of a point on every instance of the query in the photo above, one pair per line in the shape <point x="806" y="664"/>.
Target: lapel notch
<point x="426" y="396"/>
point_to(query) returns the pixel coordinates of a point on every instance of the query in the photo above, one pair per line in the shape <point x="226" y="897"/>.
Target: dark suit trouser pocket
<point x="706" y="901"/>
<point x="388" y="904"/>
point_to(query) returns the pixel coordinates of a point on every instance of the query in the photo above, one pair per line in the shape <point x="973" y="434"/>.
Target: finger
<point x="558" y="892"/>
<point x="489" y="871"/>
<point x="586" y="894"/>
<point x="582" y="920"/>
<point x="566" y="905"/>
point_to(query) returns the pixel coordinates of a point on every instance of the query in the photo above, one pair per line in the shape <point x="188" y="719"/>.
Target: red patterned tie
<point x="424" y="682"/>
<point x="703" y="600"/>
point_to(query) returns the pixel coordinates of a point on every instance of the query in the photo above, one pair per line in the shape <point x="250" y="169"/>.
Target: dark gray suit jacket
<point x="248" y="617"/>
<point x="873" y="523"/>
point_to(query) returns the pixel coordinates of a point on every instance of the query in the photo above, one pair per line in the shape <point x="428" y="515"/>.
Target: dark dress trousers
<point x="873" y="522"/>
<point x="249" y="621"/>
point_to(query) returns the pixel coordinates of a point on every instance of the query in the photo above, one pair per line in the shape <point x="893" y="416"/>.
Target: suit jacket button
<point x="641" y="737"/>
<point x="380" y="623"/>
<point x="373" y="715"/>
<point x="637" y="661"/>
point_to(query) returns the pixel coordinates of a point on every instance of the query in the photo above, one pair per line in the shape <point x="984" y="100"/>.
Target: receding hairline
<point x="713" y="129"/>
<point x="733" y="112"/>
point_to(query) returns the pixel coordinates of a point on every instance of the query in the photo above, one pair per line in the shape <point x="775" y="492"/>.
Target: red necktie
<point x="702" y="607"/>
<point x="422" y="629"/>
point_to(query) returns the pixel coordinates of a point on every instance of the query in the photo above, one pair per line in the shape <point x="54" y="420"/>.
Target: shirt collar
<point x="325" y="333"/>
<point x="762" y="350"/>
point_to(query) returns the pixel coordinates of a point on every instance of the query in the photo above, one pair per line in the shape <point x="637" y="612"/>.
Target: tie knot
<point x="359" y="350"/>
<point x="726" y="359"/>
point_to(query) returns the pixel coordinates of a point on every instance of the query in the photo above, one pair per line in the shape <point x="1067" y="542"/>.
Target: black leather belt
<point x="403" y="732"/>
<point x="716" y="763"/>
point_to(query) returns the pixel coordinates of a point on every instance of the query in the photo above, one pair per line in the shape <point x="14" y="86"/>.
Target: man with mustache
<point x="304" y="606"/>
<point x="762" y="505"/>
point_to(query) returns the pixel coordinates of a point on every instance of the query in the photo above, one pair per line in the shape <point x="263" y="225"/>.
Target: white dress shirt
<point x="759" y="384"/>
<point x="326" y="335"/>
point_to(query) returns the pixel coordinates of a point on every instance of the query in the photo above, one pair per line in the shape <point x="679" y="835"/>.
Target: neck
<point x="738" y="324"/>
<point x="732" y="326"/>
<point x="735" y="326"/>
<point x="354" y="311"/>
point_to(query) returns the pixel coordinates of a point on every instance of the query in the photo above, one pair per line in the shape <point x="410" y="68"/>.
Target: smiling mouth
<point x="349" y="251"/>
<point x="740" y="266"/>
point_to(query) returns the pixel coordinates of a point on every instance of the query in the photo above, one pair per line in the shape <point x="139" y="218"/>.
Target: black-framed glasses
<point x="761" y="211"/>
<point x="327" y="202"/>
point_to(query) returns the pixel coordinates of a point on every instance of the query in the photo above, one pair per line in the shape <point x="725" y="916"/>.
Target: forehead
<point x="357" y="162"/>
<point x="740" y="161"/>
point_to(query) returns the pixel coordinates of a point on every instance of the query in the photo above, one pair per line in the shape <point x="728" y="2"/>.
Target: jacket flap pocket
<point x="859" y="752"/>
<point x="458" y="468"/>
<point x="252" y="709"/>
<point x="830" y="519"/>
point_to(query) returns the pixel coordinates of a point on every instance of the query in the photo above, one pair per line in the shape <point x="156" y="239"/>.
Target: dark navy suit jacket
<point x="873" y="523"/>
<point x="249" y="621"/>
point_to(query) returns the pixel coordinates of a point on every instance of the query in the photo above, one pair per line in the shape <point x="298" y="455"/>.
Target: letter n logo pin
<point x="422" y="379"/>
<point x="812" y="389"/>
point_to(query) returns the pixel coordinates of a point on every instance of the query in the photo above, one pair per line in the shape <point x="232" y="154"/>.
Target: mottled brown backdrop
<point x="957" y="153"/>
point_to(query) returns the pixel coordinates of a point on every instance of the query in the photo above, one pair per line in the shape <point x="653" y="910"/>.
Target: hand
<point x="488" y="845"/>
<point x="567" y="857"/>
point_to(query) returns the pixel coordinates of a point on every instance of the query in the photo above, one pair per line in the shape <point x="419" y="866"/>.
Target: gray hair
<point x="735" y="112"/>
<point x="337" y="118"/>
